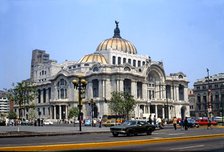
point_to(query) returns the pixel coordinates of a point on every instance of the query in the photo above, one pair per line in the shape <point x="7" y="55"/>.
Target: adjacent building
<point x="209" y="95"/>
<point x="4" y="104"/>
<point x="115" y="65"/>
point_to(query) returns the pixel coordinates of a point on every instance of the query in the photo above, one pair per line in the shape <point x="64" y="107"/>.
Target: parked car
<point x="191" y="123"/>
<point x="87" y="122"/>
<point x="47" y="122"/>
<point x="218" y="119"/>
<point x="205" y="122"/>
<point x="132" y="127"/>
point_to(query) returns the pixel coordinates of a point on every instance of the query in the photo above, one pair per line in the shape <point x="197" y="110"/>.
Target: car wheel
<point x="115" y="134"/>
<point x="149" y="132"/>
<point x="128" y="133"/>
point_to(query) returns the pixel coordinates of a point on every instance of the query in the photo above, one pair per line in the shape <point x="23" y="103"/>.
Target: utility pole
<point x="209" y="97"/>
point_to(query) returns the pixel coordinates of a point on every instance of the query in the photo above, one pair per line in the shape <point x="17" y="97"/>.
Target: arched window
<point x="95" y="69"/>
<point x="62" y="89"/>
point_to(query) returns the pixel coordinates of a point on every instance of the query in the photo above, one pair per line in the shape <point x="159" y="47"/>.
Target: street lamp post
<point x="80" y="85"/>
<point x="92" y="108"/>
<point x="209" y="98"/>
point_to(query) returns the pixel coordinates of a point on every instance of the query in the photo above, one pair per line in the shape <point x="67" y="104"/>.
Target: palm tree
<point x="22" y="95"/>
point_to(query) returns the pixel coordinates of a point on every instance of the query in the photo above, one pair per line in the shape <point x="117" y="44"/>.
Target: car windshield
<point x="127" y="122"/>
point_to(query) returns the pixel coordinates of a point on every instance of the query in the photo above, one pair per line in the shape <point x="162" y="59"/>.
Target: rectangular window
<point x="49" y="93"/>
<point x="114" y="60"/>
<point x="124" y="60"/>
<point x="44" y="93"/>
<point x="134" y="63"/>
<point x="43" y="111"/>
<point x="139" y="63"/>
<point x="119" y="60"/>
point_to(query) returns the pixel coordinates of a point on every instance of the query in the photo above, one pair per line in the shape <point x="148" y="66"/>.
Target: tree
<point x="73" y="112"/>
<point x="122" y="103"/>
<point x="22" y="94"/>
<point x="12" y="115"/>
<point x="32" y="113"/>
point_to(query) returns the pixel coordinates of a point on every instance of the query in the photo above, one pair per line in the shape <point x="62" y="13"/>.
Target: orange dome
<point x="96" y="57"/>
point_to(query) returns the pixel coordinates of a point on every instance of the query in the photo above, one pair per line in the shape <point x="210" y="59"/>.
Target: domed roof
<point x="95" y="57"/>
<point x="117" y="43"/>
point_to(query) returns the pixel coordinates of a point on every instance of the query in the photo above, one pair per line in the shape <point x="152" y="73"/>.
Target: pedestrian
<point x="159" y="121"/>
<point x="154" y="120"/>
<point x="100" y="122"/>
<point x="209" y="124"/>
<point x="150" y="119"/>
<point x="182" y="124"/>
<point x="185" y="123"/>
<point x="175" y="123"/>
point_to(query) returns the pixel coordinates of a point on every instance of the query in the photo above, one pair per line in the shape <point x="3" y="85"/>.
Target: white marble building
<point x="114" y="66"/>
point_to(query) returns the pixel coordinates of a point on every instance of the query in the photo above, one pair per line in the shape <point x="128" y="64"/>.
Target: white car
<point x="48" y="122"/>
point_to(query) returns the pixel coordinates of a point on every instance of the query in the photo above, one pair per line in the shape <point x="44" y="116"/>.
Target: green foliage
<point x="22" y="94"/>
<point x="32" y="114"/>
<point x="122" y="103"/>
<point x="73" y="112"/>
<point x="12" y="115"/>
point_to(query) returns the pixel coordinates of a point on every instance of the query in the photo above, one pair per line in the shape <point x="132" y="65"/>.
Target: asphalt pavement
<point x="53" y="130"/>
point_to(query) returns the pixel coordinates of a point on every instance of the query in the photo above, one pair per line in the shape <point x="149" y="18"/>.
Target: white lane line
<point x="176" y="134"/>
<point x="195" y="146"/>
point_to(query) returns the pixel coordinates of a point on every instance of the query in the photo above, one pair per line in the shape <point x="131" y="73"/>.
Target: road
<point x="214" y="145"/>
<point x="157" y="141"/>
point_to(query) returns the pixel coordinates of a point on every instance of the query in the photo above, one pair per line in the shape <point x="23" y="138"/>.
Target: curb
<point x="85" y="146"/>
<point x="31" y="134"/>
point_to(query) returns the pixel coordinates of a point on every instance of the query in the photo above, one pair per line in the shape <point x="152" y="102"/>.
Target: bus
<point x="112" y="120"/>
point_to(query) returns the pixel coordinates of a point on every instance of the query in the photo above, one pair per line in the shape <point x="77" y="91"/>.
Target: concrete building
<point x="209" y="94"/>
<point x="192" y="102"/>
<point x="114" y="66"/>
<point x="4" y="104"/>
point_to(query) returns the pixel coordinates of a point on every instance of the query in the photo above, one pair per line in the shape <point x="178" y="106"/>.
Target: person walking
<point x="209" y="124"/>
<point x="150" y="119"/>
<point x="100" y="122"/>
<point x="182" y="124"/>
<point x="159" y="121"/>
<point x="154" y="120"/>
<point x="175" y="123"/>
<point x="185" y="123"/>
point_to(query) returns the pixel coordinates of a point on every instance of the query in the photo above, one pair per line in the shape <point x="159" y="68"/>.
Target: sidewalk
<point x="25" y="131"/>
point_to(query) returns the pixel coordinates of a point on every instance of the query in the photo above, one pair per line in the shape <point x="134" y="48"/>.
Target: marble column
<point x="156" y="111"/>
<point x="54" y="111"/>
<point x="59" y="112"/>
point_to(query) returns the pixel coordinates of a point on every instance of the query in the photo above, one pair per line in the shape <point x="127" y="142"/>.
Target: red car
<point x="205" y="122"/>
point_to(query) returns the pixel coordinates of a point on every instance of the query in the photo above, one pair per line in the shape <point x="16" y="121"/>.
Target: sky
<point x="187" y="35"/>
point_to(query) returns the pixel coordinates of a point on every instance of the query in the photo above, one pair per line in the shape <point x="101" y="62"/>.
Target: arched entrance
<point x="183" y="112"/>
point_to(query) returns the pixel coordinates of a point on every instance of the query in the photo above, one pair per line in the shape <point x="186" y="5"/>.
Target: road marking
<point x="176" y="134"/>
<point x="179" y="148"/>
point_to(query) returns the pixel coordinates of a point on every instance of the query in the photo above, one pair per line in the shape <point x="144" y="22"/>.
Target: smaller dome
<point x="95" y="57"/>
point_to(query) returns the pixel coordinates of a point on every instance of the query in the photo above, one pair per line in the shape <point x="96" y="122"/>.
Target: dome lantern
<point x="117" y="43"/>
<point x="116" y="31"/>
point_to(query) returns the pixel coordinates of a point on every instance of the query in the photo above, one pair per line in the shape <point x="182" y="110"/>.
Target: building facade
<point x="114" y="66"/>
<point x="4" y="104"/>
<point x="192" y="102"/>
<point x="209" y="95"/>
